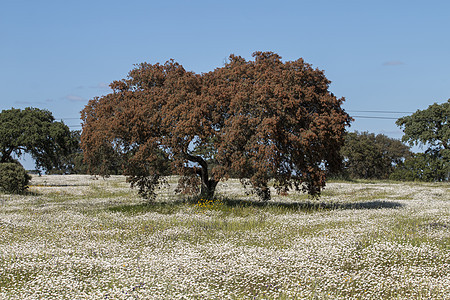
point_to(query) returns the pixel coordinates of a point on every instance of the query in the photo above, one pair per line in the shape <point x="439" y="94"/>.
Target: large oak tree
<point x="255" y="120"/>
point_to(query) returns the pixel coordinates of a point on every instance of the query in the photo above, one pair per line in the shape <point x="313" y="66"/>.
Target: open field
<point x="77" y="238"/>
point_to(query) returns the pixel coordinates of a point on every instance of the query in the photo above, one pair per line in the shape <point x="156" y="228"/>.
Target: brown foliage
<point x="263" y="119"/>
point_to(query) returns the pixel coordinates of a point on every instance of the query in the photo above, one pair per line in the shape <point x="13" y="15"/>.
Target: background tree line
<point x="57" y="150"/>
<point x="369" y="156"/>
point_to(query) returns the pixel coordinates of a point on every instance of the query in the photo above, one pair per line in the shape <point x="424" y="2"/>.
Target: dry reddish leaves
<point x="263" y="119"/>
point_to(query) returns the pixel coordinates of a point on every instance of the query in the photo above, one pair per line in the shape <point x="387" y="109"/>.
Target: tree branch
<point x="7" y="154"/>
<point x="197" y="159"/>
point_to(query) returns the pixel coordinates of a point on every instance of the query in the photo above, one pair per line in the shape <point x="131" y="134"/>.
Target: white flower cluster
<point x="77" y="238"/>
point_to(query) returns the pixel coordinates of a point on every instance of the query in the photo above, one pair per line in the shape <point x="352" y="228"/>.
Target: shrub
<point x="13" y="178"/>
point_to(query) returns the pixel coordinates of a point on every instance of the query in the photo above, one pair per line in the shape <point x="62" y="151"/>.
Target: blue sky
<point x="380" y="55"/>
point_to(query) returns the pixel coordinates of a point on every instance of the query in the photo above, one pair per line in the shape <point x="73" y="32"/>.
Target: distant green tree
<point x="429" y="128"/>
<point x="34" y="131"/>
<point x="421" y="167"/>
<point x="366" y="155"/>
<point x="76" y="160"/>
<point x="72" y="162"/>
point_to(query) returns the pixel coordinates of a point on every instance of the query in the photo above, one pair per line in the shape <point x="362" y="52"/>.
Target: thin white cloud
<point x="393" y="63"/>
<point x="75" y="98"/>
<point x="100" y="86"/>
<point x="103" y="85"/>
<point x="30" y="103"/>
<point x="25" y="102"/>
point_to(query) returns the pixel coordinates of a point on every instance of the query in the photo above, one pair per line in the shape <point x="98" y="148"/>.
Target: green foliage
<point x="72" y="162"/>
<point x="429" y="128"/>
<point x="36" y="132"/>
<point x="422" y="167"/>
<point x="78" y="165"/>
<point x="13" y="178"/>
<point x="367" y="155"/>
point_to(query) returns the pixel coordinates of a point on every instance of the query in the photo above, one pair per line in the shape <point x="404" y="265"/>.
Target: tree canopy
<point x="36" y="132"/>
<point x="428" y="128"/>
<point x="422" y="167"/>
<point x="254" y="120"/>
<point x="367" y="155"/>
<point x="72" y="161"/>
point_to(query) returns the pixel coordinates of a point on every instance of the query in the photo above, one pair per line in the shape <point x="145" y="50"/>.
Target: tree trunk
<point x="208" y="186"/>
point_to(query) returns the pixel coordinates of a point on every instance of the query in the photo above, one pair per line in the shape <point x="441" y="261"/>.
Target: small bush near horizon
<point x="13" y="178"/>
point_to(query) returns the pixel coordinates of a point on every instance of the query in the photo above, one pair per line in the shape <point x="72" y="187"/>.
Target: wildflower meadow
<point x="73" y="237"/>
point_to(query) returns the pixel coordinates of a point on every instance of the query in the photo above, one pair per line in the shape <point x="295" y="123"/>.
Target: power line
<point x="374" y="117"/>
<point x="378" y="112"/>
<point x="354" y="111"/>
<point x="357" y="117"/>
<point x="381" y="111"/>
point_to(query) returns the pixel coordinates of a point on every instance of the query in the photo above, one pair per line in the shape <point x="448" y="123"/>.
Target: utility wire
<point x="351" y="111"/>
<point x="374" y="117"/>
<point x="381" y="111"/>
